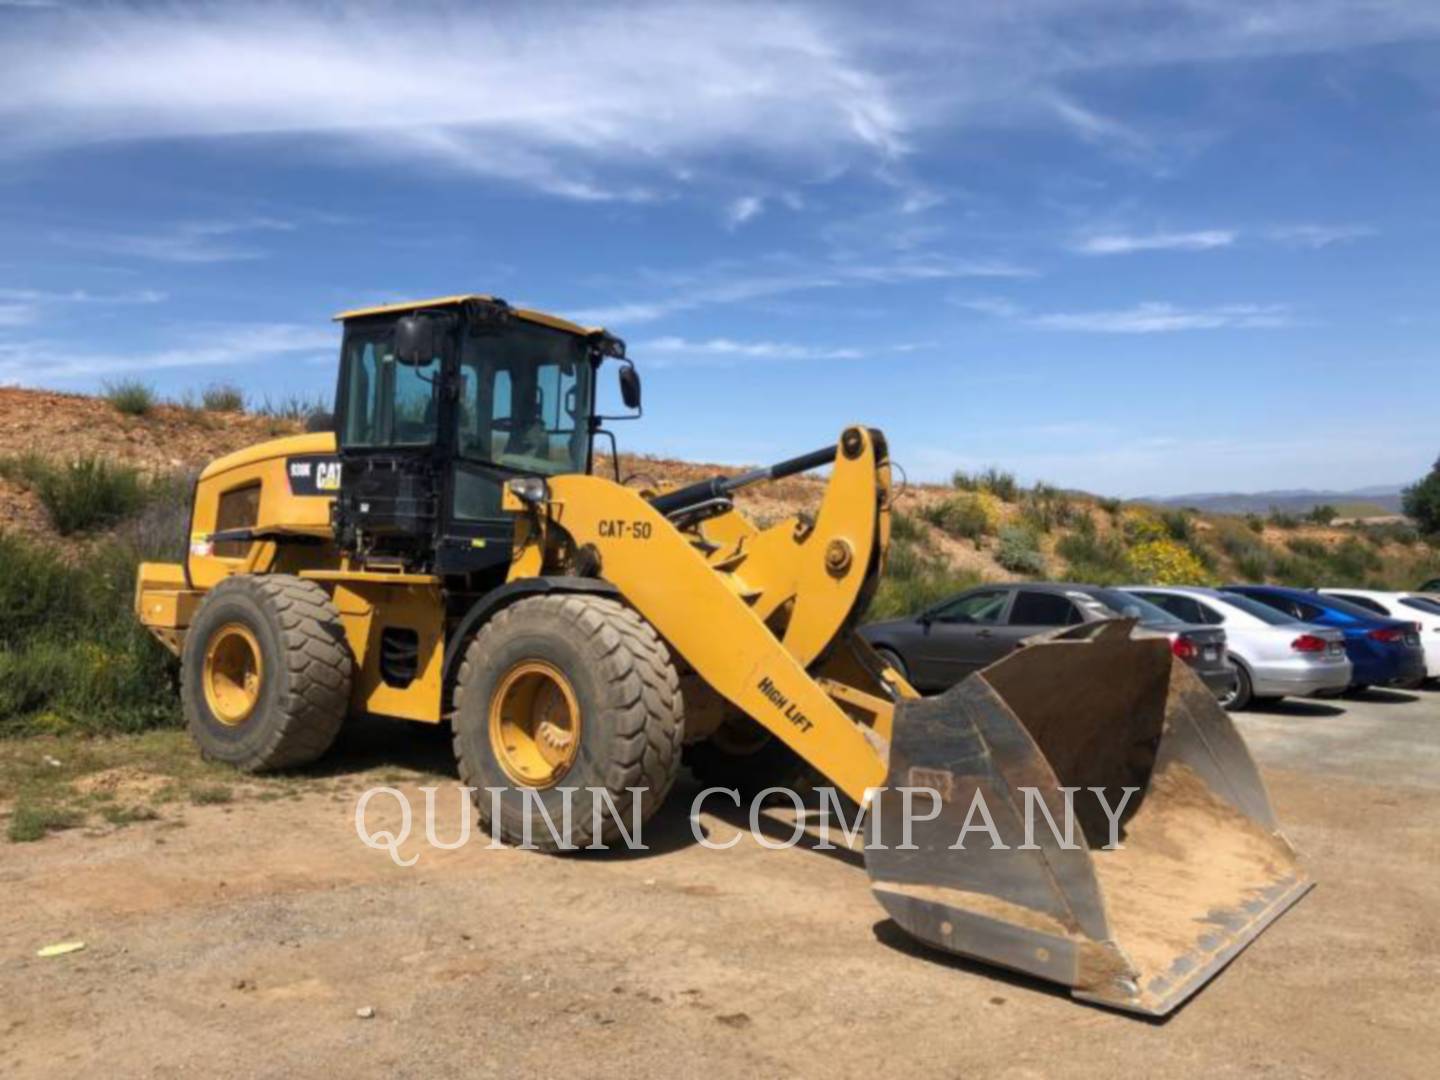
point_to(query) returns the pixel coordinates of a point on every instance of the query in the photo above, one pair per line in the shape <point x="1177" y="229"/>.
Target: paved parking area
<point x="1384" y="736"/>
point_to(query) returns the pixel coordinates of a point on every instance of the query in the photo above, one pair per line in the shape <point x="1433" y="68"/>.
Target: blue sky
<point x="1128" y="247"/>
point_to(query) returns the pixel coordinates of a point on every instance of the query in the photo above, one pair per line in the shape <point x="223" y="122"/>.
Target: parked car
<point x="1408" y="607"/>
<point x="1431" y="586"/>
<point x="949" y="641"/>
<point x="1274" y="654"/>
<point x="1384" y="651"/>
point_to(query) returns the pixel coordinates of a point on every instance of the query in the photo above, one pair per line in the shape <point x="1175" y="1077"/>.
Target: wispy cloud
<point x="724" y="352"/>
<point x="733" y="282"/>
<point x="1162" y="318"/>
<point x="37" y="362"/>
<point x="746" y="208"/>
<point x="1129" y="243"/>
<point x="1153" y="317"/>
<point x="483" y="90"/>
<point x="1319" y="236"/>
<point x="21" y="307"/>
<point x="185" y="242"/>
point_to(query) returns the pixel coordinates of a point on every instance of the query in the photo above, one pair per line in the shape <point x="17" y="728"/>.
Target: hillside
<point x="1381" y="500"/>
<point x="945" y="536"/>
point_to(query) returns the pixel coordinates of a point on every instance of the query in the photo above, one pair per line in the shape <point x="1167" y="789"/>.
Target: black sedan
<point x="942" y="645"/>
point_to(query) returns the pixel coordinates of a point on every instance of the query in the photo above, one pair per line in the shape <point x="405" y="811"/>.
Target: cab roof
<point x="552" y="321"/>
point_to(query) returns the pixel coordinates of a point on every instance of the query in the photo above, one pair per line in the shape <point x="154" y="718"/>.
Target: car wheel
<point x="1241" y="693"/>
<point x="891" y="657"/>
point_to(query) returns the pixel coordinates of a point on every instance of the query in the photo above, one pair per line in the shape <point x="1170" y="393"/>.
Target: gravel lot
<point x="246" y="942"/>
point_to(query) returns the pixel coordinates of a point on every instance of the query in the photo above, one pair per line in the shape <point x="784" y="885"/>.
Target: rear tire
<point x="1243" y="694"/>
<point x="626" y="719"/>
<point x="740" y="754"/>
<point x="265" y="673"/>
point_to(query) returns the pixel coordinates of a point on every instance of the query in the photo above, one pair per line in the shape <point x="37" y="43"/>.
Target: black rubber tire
<point x="894" y="659"/>
<point x="628" y="694"/>
<point x="770" y="764"/>
<point x="1244" y="695"/>
<point x="306" y="676"/>
<point x="1356" y="688"/>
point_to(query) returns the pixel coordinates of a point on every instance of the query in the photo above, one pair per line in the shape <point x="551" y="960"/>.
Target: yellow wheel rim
<point x="534" y="724"/>
<point x="232" y="674"/>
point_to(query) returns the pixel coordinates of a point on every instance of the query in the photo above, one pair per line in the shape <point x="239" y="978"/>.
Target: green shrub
<point x="1179" y="525"/>
<point x="967" y="517"/>
<point x="1323" y="514"/>
<point x="1253" y="563"/>
<point x="1111" y="506"/>
<point x="292" y="407"/>
<point x="130" y="396"/>
<point x="1000" y="483"/>
<point x="1308" y="548"/>
<point x="1044" y="508"/>
<point x="1092" y="559"/>
<point x="964" y="481"/>
<point x="1352" y="563"/>
<point x="1282" y="519"/>
<point x="80" y="495"/>
<point x="223" y="397"/>
<point x="1019" y="551"/>
<point x="72" y="655"/>
<point x="1255" y="523"/>
<point x="915" y="578"/>
<point x="905" y="528"/>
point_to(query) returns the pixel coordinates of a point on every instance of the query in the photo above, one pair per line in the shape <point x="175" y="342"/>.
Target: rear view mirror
<point x="630" y="386"/>
<point x="418" y="339"/>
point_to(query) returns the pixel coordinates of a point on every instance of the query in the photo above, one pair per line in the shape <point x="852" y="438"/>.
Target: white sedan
<point x="1274" y="655"/>
<point x="1421" y="609"/>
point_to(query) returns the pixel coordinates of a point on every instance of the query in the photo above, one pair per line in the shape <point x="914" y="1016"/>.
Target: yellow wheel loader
<point x="446" y="554"/>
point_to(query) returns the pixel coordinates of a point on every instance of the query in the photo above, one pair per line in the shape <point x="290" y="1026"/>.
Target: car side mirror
<point x="630" y="386"/>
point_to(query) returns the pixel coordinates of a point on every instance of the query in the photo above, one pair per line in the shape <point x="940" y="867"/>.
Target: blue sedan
<point x="1384" y="652"/>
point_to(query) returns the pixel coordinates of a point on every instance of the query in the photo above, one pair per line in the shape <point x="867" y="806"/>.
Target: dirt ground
<point x="246" y="941"/>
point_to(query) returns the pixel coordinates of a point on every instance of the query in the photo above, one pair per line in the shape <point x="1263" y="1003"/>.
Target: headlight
<point x="531" y="489"/>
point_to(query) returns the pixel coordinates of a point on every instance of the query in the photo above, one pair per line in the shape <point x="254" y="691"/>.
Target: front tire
<point x="565" y="693"/>
<point x="265" y="673"/>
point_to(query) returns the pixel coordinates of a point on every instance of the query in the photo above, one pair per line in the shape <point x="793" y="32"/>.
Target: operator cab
<point x="439" y="404"/>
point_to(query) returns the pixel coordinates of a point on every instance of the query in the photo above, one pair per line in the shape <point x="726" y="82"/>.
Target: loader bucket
<point x="1201" y="867"/>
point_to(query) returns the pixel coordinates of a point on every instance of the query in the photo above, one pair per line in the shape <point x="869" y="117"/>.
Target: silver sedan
<point x="1274" y="655"/>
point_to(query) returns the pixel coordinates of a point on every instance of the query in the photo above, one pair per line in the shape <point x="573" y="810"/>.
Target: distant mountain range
<point x="1374" y="501"/>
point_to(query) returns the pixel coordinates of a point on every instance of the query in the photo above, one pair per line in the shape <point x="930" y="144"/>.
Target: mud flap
<point x="1201" y="867"/>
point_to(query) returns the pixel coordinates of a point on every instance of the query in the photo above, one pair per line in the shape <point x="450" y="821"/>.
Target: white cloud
<point x="631" y="101"/>
<point x="1319" y="236"/>
<point x="186" y="242"/>
<point x="731" y="282"/>
<point x="1162" y="318"/>
<point x="21" y="307"/>
<point x="33" y="362"/>
<point x="1126" y="243"/>
<point x="1152" y="317"/>
<point x="743" y="209"/>
<point x="667" y="351"/>
<point x="586" y="102"/>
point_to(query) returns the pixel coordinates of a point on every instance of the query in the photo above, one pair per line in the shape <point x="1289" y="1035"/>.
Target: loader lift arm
<point x="717" y="621"/>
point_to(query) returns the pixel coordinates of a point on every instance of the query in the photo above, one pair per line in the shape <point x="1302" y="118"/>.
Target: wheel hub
<point x="232" y="674"/>
<point x="534" y="724"/>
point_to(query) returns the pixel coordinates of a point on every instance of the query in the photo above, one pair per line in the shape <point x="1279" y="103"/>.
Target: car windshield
<point x="1264" y="612"/>
<point x="1133" y="607"/>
